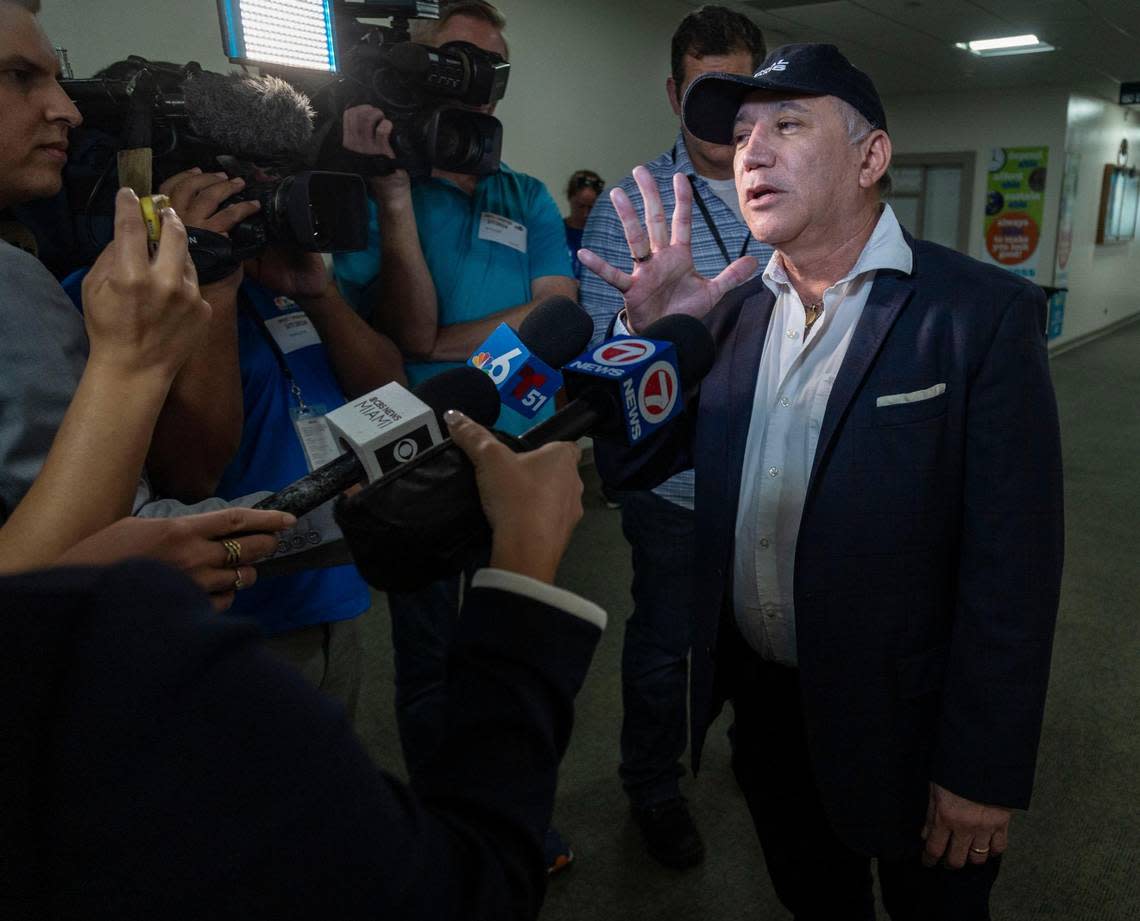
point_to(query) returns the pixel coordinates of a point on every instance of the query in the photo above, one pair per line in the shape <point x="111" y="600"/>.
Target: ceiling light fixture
<point x="1011" y="44"/>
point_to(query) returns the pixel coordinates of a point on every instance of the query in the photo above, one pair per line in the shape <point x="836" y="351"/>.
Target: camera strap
<point x="246" y="304"/>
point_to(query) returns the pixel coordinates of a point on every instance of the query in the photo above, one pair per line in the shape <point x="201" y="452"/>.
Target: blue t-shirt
<point x="271" y="456"/>
<point x="482" y="252"/>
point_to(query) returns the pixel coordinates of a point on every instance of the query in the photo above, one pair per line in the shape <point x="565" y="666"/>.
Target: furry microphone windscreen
<point x="246" y="115"/>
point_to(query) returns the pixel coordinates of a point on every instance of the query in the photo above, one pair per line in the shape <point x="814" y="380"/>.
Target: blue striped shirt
<point x="604" y="236"/>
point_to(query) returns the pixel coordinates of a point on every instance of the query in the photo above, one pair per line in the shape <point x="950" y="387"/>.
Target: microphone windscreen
<point x="466" y="389"/>
<point x="258" y="117"/>
<point x="695" y="349"/>
<point x="557" y="330"/>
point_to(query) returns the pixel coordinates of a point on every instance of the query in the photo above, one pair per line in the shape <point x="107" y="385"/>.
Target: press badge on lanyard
<point x="499" y="229"/>
<point x="313" y="432"/>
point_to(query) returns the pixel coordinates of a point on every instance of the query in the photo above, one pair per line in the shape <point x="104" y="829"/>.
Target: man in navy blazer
<point x="878" y="501"/>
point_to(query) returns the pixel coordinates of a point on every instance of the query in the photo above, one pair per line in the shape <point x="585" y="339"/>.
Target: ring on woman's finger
<point x="641" y="259"/>
<point x="239" y="582"/>
<point x="233" y="552"/>
<point x="981" y="851"/>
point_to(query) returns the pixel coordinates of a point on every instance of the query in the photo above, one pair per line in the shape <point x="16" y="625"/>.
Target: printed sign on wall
<point x="1015" y="206"/>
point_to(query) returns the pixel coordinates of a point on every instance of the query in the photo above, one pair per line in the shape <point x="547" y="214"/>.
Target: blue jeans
<point x="654" y="662"/>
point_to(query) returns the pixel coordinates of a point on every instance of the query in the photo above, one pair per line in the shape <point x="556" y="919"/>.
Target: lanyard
<point x="294" y="388"/>
<point x="712" y="226"/>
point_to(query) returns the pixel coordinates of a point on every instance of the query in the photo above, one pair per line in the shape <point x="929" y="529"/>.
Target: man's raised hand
<point x="664" y="279"/>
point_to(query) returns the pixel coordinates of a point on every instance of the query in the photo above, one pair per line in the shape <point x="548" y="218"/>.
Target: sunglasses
<point x="585" y="182"/>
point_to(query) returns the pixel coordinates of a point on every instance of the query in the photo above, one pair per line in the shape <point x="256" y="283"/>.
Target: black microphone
<point x="424" y="521"/>
<point x="466" y="389"/>
<point x="257" y="118"/>
<point x="525" y="365"/>
<point x="611" y="388"/>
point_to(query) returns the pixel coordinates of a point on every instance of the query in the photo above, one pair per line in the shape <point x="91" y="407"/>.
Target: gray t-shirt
<point x="43" y="350"/>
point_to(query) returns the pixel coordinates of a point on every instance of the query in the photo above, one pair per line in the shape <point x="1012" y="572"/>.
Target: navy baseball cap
<point x="802" y="69"/>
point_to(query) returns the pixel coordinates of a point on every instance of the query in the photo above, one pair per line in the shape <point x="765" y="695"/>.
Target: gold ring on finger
<point x="239" y="582"/>
<point x="979" y="850"/>
<point x="233" y="552"/>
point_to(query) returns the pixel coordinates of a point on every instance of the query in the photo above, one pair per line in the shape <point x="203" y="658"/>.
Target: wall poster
<point x="1015" y="208"/>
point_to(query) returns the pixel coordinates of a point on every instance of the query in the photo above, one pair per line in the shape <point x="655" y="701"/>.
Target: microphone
<point x="425" y="520"/>
<point x="524" y="365"/>
<point x="630" y="386"/>
<point x="257" y="118"/>
<point x="385" y="428"/>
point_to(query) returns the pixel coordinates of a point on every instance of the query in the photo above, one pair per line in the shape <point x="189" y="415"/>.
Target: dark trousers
<point x="654" y="662"/>
<point x="423" y="624"/>
<point x="816" y="876"/>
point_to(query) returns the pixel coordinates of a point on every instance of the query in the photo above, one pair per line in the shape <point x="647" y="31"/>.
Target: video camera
<point x="176" y="112"/>
<point x="429" y="94"/>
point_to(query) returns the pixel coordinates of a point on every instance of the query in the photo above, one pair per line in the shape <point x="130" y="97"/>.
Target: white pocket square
<point x="915" y="396"/>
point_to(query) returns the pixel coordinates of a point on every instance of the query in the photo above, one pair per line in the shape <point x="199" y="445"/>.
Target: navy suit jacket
<point x="157" y="763"/>
<point x="928" y="563"/>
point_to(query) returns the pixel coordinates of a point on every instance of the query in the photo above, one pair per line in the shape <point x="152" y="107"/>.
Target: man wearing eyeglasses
<point x="659" y="524"/>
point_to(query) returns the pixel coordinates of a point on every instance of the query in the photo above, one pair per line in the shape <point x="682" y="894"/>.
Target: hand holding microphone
<point x="523" y="495"/>
<point x="425" y="521"/>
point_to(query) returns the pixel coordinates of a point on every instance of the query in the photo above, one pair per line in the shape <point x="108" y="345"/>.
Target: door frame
<point x="966" y="161"/>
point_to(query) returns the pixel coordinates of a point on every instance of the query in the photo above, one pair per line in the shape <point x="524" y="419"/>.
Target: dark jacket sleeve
<point x="184" y="772"/>
<point x="1009" y="570"/>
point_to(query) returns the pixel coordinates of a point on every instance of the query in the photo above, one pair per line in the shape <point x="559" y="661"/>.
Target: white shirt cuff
<point x="542" y="592"/>
<point x="620" y="329"/>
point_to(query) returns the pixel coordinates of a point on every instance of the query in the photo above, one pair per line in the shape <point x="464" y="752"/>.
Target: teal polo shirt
<point x="482" y="250"/>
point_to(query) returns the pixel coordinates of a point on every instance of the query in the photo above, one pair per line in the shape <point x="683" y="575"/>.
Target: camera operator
<point x="295" y="351"/>
<point x="130" y="795"/>
<point x="451" y="256"/>
<point x="78" y="406"/>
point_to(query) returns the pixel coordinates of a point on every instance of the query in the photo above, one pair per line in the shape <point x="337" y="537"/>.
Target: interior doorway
<point x="931" y="195"/>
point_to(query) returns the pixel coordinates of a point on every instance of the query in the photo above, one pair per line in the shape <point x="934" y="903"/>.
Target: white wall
<point x="586" y="88"/>
<point x="954" y="122"/>
<point x="1104" y="281"/>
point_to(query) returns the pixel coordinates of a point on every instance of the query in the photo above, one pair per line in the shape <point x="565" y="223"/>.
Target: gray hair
<point x="425" y="30"/>
<point x="857" y="129"/>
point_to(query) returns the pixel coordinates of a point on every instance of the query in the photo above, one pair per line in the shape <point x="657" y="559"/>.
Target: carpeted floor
<point x="1075" y="856"/>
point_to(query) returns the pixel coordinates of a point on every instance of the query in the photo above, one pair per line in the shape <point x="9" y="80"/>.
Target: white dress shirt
<point x="792" y="388"/>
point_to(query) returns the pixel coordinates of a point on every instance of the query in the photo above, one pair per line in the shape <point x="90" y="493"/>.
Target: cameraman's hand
<point x="143" y="315"/>
<point x="368" y="132"/>
<point x="192" y="544"/>
<point x="533" y="500"/>
<point x="196" y="197"/>
<point x="292" y="272"/>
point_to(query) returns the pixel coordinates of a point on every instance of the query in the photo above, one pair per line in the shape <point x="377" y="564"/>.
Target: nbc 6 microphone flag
<point x="525" y="382"/>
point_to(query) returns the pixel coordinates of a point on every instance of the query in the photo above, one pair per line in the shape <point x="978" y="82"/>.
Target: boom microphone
<point x="253" y="118"/>
<point x="425" y="520"/>
<point x="392" y="429"/>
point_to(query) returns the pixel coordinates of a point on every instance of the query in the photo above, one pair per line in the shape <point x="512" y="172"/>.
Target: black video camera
<point x="429" y="94"/>
<point x="140" y="104"/>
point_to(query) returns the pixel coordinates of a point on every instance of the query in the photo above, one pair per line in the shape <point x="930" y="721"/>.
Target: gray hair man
<point x="879" y="504"/>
